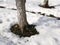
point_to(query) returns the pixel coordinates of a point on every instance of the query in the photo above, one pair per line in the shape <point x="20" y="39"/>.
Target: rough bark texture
<point x="22" y="21"/>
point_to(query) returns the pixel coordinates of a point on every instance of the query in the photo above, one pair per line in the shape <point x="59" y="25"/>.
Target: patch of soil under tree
<point x="29" y="30"/>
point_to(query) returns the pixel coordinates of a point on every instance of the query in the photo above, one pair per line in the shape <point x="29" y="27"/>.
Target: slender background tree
<point x="46" y="4"/>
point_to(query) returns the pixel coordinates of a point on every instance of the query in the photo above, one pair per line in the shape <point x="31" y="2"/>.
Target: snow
<point x="48" y="27"/>
<point x="4" y="41"/>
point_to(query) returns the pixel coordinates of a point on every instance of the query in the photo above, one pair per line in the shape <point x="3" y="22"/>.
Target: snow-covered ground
<point x="48" y="27"/>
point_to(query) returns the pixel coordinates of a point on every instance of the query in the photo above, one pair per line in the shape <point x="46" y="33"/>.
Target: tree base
<point x="29" y="30"/>
<point x="46" y="6"/>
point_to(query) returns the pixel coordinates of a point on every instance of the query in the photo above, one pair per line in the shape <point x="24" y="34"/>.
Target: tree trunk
<point x="46" y="3"/>
<point x="21" y="12"/>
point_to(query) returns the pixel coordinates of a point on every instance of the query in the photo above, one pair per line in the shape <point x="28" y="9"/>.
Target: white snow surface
<point x="48" y="27"/>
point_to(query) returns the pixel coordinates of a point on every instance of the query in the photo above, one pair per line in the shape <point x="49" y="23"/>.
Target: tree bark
<point x="46" y="3"/>
<point x="21" y="12"/>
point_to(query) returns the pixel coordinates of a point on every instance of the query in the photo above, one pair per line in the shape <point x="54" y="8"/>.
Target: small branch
<point x="2" y="7"/>
<point x="44" y="14"/>
<point x="8" y="8"/>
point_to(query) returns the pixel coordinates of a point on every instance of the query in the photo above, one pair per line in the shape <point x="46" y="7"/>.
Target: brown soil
<point x="28" y="30"/>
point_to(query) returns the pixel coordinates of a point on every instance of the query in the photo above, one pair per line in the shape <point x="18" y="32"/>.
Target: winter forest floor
<point x="48" y="27"/>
